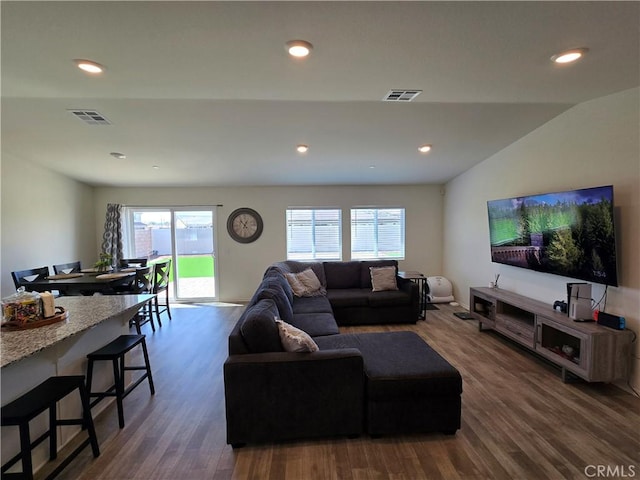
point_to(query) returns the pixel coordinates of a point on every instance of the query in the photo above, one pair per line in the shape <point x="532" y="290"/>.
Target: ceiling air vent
<point x="401" y="95"/>
<point x="90" y="117"/>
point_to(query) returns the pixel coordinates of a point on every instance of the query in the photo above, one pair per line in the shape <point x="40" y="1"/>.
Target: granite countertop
<point x="84" y="313"/>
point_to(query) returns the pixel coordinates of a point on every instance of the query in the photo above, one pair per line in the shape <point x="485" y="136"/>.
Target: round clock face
<point x="244" y="225"/>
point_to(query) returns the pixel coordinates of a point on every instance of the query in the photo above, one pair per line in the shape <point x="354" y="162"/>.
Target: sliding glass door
<point x="194" y="253"/>
<point x="184" y="234"/>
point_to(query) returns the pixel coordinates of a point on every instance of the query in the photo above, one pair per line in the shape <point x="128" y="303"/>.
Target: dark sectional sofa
<point x="348" y="293"/>
<point x="375" y="383"/>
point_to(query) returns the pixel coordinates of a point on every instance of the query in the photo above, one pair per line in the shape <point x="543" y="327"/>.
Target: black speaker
<point x="611" y="321"/>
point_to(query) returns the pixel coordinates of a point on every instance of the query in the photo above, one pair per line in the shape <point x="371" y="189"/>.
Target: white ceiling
<point x="205" y="90"/>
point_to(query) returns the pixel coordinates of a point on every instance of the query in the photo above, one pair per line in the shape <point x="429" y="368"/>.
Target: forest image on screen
<point x="565" y="233"/>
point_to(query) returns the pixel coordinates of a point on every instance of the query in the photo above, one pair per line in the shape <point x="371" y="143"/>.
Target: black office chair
<point x="73" y="267"/>
<point x="132" y="262"/>
<point x="161" y="284"/>
<point x="19" y="279"/>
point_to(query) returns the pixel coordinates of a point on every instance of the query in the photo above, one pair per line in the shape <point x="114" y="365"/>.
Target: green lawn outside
<point x="192" y="266"/>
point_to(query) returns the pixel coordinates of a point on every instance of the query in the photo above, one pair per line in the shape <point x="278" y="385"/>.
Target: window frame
<point x="377" y="241"/>
<point x="314" y="254"/>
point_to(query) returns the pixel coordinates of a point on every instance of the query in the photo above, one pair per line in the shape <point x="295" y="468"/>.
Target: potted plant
<point x="105" y="262"/>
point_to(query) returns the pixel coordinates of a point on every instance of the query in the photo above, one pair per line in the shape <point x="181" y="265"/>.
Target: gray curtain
<point x="112" y="237"/>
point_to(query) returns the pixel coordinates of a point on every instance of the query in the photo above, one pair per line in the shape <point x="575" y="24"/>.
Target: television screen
<point x="565" y="233"/>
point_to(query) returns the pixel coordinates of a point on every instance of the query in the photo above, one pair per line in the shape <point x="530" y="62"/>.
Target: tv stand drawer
<point x="518" y="331"/>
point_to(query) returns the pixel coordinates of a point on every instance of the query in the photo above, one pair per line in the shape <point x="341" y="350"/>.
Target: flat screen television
<point x="564" y="233"/>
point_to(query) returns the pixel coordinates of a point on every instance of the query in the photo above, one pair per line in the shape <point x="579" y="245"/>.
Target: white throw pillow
<point x="310" y="280"/>
<point x="296" y="285"/>
<point x="295" y="340"/>
<point x="383" y="278"/>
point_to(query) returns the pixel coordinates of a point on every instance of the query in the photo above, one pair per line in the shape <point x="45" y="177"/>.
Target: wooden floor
<point x="519" y="421"/>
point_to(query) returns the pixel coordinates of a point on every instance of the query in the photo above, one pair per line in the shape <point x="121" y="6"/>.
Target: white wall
<point x="240" y="266"/>
<point x="595" y="143"/>
<point x="46" y="218"/>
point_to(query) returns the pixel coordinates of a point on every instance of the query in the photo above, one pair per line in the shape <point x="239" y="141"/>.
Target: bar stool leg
<point x="119" y="384"/>
<point x="147" y="311"/>
<point x="148" y="365"/>
<point x="88" y="421"/>
<point x="89" y="379"/>
<point x="53" y="432"/>
<point x="25" y="448"/>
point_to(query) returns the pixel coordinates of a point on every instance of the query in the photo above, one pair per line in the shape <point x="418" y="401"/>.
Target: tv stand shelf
<point x="587" y="350"/>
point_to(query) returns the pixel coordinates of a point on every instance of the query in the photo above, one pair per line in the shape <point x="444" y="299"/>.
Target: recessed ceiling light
<point x="155" y="167"/>
<point x="426" y="148"/>
<point x="89" y="66"/>
<point x="119" y="155"/>
<point x="569" y="56"/>
<point x="298" y="48"/>
<point x="302" y="148"/>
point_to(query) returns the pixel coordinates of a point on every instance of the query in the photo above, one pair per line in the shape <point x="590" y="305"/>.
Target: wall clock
<point x="244" y="225"/>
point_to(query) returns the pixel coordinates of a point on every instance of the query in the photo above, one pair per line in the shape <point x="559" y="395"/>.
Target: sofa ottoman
<point x="409" y="387"/>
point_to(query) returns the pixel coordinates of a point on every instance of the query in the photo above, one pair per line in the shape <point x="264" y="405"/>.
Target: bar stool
<point x="115" y="352"/>
<point x="142" y="283"/>
<point x="161" y="284"/>
<point x="45" y="396"/>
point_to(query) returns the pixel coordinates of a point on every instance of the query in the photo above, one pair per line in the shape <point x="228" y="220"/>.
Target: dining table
<point x="86" y="282"/>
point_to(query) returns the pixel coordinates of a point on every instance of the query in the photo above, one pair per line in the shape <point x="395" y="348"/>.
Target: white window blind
<point x="314" y="234"/>
<point x="377" y="233"/>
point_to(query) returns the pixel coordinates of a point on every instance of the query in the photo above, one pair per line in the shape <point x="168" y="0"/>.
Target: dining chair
<point x="142" y="283"/>
<point x="20" y="276"/>
<point x="161" y="284"/>
<point x="132" y="262"/>
<point x="72" y="267"/>
<point x="132" y="286"/>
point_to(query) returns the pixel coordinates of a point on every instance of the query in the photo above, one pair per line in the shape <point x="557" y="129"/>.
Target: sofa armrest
<point x="282" y="395"/>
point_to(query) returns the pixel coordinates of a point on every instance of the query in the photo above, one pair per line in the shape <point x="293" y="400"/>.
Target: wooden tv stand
<point x="588" y="350"/>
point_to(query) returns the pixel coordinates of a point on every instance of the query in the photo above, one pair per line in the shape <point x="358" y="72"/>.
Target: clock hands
<point x="246" y="227"/>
